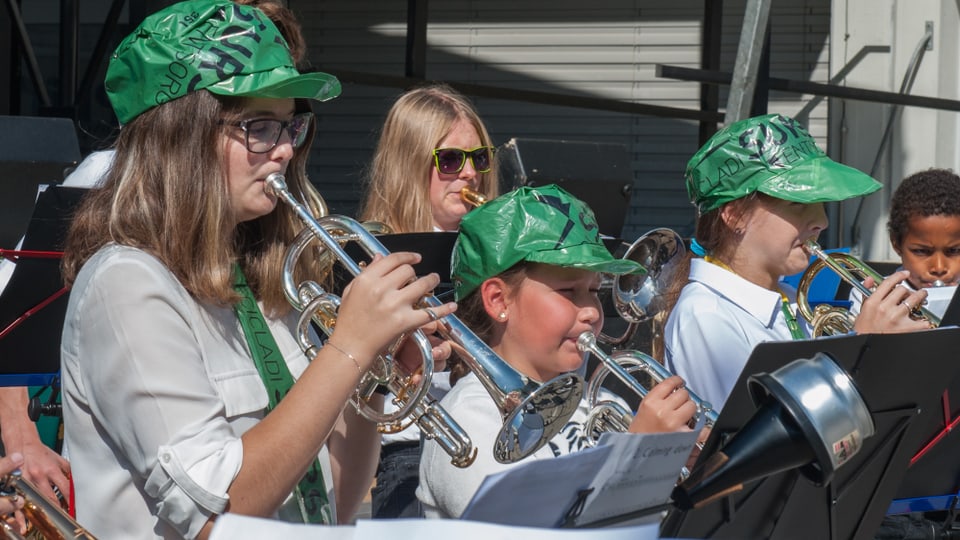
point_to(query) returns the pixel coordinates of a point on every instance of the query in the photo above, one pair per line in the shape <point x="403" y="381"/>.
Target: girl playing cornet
<point x="526" y="273"/>
<point x="178" y="351"/>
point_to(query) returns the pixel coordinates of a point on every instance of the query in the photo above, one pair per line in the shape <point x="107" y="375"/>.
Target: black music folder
<point x="900" y="377"/>
<point x="435" y="249"/>
<point x="33" y="304"/>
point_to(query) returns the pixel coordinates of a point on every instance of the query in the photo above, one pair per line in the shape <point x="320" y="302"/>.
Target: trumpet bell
<point x="541" y="415"/>
<point x="639" y="297"/>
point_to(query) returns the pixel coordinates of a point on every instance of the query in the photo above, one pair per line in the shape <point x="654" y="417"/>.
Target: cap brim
<point x="280" y="83"/>
<point x="591" y="257"/>
<point x="819" y="180"/>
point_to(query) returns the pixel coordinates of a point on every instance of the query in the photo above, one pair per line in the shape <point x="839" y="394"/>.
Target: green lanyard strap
<point x="792" y="324"/>
<point x="311" y="492"/>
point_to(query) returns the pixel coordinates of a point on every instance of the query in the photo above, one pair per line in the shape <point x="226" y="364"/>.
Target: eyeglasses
<point x="261" y="135"/>
<point x="452" y="160"/>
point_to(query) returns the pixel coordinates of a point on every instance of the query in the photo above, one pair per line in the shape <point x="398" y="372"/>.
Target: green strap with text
<point x="311" y="492"/>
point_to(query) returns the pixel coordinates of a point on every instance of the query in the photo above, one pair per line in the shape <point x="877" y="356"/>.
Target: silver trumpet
<point x="46" y="520"/>
<point x="317" y="305"/>
<point x="533" y="412"/>
<point x="434" y="421"/>
<point x="609" y="415"/>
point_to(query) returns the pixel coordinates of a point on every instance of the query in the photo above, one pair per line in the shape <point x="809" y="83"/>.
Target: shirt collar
<point x="762" y="304"/>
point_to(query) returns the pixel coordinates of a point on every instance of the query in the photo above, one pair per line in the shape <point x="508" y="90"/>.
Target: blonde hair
<point x="400" y="169"/>
<point x="167" y="194"/>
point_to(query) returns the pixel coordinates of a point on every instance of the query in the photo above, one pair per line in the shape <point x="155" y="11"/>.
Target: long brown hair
<point x="166" y="194"/>
<point x="398" y="187"/>
<point x="718" y="239"/>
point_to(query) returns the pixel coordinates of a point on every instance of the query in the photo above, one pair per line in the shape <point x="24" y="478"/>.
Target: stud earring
<point x="502" y="316"/>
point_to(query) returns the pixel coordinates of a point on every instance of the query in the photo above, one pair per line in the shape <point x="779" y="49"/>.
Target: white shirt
<point x="938" y="298"/>
<point x="157" y="390"/>
<point x="445" y="490"/>
<point x="717" y="321"/>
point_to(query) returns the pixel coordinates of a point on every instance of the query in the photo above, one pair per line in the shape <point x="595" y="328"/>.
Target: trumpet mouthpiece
<point x="586" y="342"/>
<point x="472" y="197"/>
<point x="275" y="183"/>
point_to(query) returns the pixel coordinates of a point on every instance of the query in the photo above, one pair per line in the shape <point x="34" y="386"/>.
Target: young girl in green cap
<point x="179" y="350"/>
<point x="526" y="272"/>
<point x="759" y="186"/>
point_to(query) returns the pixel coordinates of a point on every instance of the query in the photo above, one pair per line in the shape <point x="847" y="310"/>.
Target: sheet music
<point x="236" y="527"/>
<point x="628" y="472"/>
<point x="537" y="493"/>
<point x="640" y="473"/>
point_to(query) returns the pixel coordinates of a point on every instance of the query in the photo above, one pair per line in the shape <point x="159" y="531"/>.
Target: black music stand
<point x="33" y="151"/>
<point x="31" y="311"/>
<point x="900" y="388"/>
<point x="597" y="173"/>
<point x="932" y="480"/>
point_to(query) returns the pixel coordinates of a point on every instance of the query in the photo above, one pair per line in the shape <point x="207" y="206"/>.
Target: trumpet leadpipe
<point x="842" y="263"/>
<point x="587" y="342"/>
<point x="45" y="519"/>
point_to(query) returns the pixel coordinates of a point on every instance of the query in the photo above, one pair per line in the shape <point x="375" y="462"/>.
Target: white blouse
<point x="157" y="390"/>
<point x="717" y="321"/>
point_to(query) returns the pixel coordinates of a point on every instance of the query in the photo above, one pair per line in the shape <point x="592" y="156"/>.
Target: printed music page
<point x="640" y="473"/>
<point x="537" y="493"/>
<point x="626" y="473"/>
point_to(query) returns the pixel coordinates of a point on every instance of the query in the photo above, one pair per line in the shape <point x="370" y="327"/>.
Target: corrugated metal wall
<point x="599" y="49"/>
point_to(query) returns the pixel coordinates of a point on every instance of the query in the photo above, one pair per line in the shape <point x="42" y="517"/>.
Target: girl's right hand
<point x="887" y="310"/>
<point x="667" y="407"/>
<point x="380" y="304"/>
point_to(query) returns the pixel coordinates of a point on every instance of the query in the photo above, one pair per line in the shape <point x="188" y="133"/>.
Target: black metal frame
<point x="415" y="68"/>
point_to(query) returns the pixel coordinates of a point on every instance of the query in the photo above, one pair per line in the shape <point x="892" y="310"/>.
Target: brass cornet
<point x="640" y="297"/>
<point x="831" y="320"/>
<point x="45" y="520"/>
<point x="533" y="412"/>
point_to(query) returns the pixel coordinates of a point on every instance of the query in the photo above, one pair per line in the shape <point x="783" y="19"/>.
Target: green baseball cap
<point x="543" y="224"/>
<point x="772" y="154"/>
<point x="229" y="49"/>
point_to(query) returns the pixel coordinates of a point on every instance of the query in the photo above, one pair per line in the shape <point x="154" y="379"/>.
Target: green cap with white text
<point x="772" y="154"/>
<point x="226" y="48"/>
<point x="537" y="224"/>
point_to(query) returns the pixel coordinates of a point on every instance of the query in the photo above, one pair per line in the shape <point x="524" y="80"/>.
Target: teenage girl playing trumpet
<point x="759" y="186"/>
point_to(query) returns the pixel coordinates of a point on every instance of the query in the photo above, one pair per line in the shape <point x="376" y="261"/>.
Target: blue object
<point x="824" y="288"/>
<point x="921" y="504"/>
